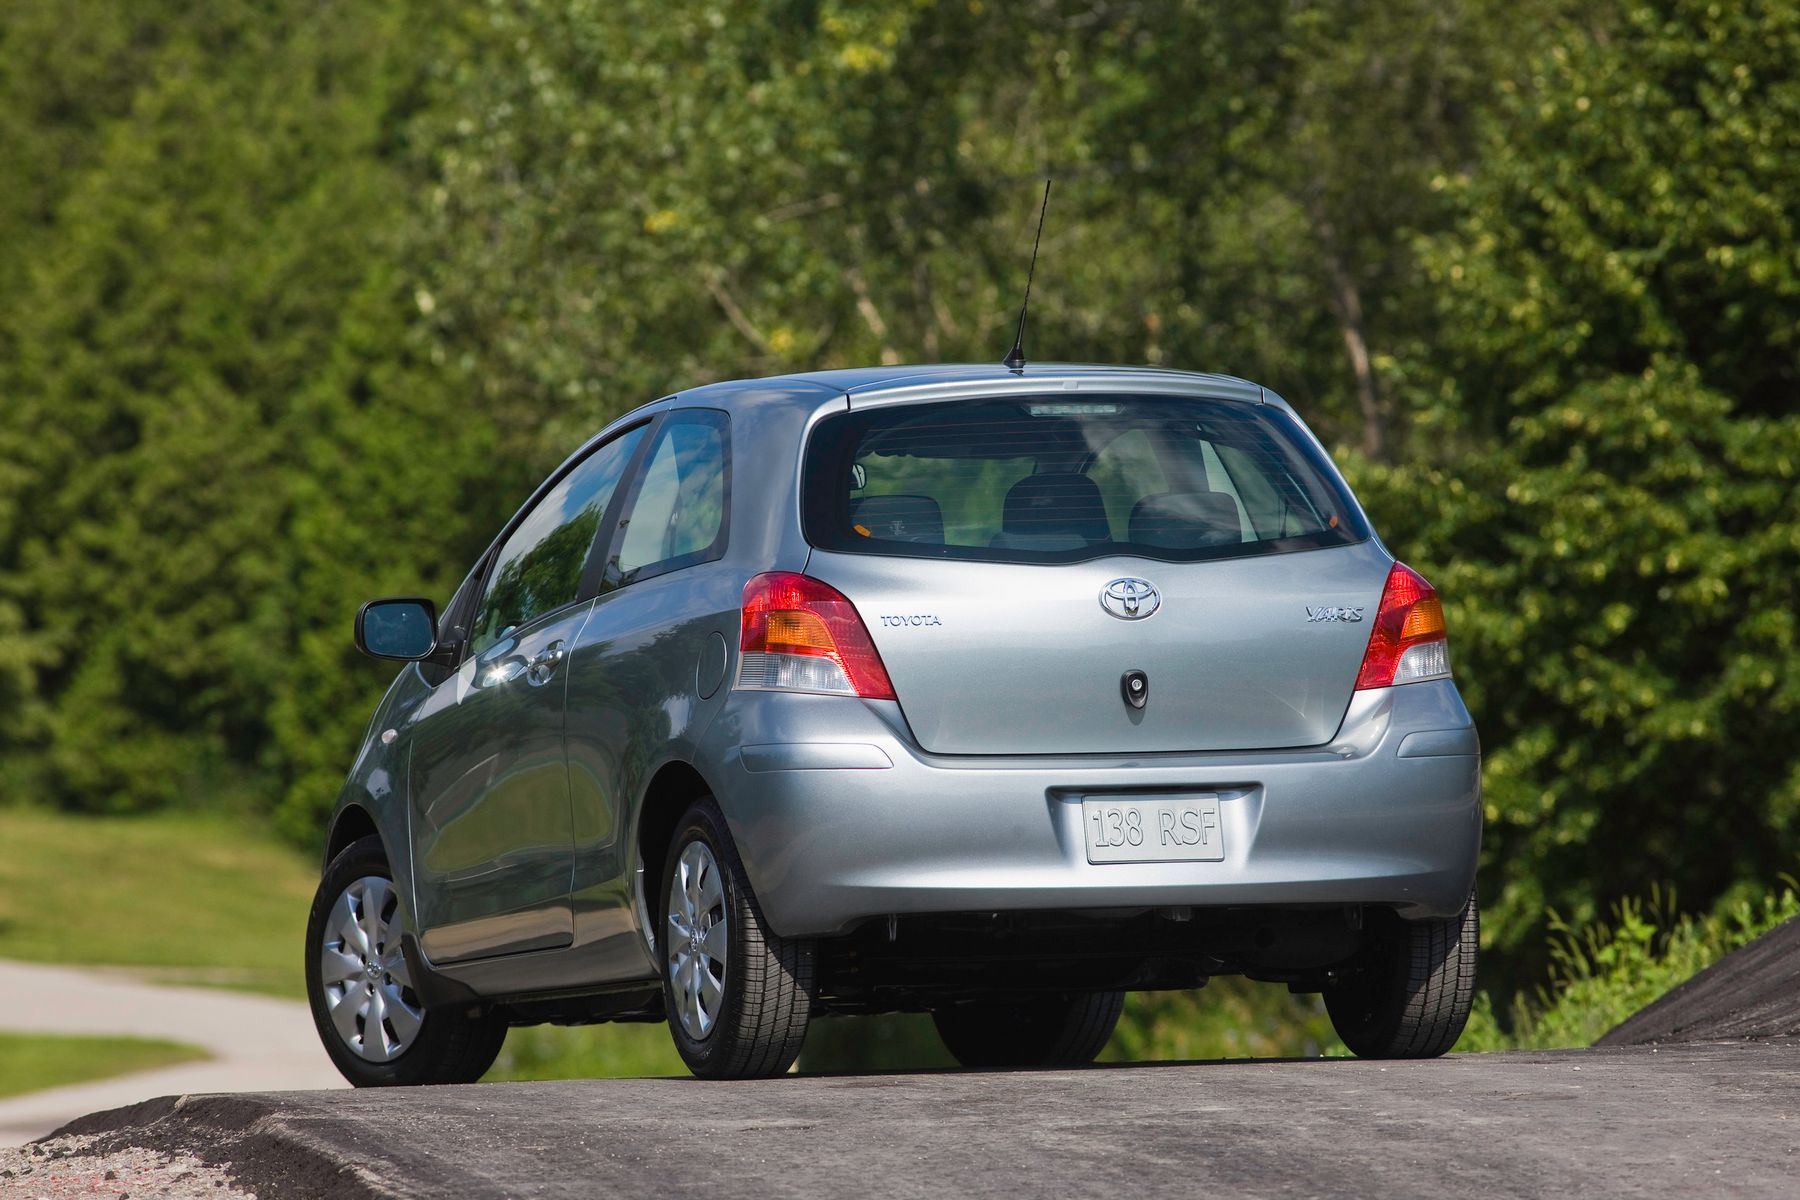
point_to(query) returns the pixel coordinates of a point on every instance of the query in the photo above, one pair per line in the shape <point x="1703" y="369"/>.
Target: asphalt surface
<point x="1706" y="1119"/>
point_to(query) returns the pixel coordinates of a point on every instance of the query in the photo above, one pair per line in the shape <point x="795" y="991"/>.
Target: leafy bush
<point x="1604" y="971"/>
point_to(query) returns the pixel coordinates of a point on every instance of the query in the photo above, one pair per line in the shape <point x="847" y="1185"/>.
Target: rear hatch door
<point x="1015" y="557"/>
<point x="1004" y="658"/>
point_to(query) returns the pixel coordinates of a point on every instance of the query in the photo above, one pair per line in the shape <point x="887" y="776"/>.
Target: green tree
<point x="182" y="287"/>
<point x="1610" y="492"/>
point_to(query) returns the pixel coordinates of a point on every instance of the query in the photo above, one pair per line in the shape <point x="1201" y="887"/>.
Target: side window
<point x="678" y="517"/>
<point x="540" y="566"/>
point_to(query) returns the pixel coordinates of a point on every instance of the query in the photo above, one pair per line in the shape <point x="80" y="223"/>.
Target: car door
<point x="492" y="830"/>
<point x="648" y="670"/>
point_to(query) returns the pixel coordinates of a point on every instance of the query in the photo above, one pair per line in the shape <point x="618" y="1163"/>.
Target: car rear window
<point x="1050" y="480"/>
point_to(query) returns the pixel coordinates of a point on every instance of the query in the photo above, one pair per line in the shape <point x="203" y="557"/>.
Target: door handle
<point x="543" y="667"/>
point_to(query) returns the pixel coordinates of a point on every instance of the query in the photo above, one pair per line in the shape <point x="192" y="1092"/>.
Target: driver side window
<point x="540" y="566"/>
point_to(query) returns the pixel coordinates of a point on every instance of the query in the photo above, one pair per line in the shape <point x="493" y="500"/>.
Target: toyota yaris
<point x="988" y="693"/>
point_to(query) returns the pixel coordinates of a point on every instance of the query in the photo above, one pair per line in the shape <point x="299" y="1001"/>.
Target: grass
<point x="587" y="1052"/>
<point x="31" y="1061"/>
<point x="191" y="898"/>
<point x="1604" y="972"/>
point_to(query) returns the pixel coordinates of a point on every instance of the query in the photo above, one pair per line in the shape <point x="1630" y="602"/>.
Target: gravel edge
<point x="237" y="1138"/>
<point x="57" y="1168"/>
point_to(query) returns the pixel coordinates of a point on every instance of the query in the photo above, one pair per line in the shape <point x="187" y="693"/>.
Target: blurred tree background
<point x="297" y="300"/>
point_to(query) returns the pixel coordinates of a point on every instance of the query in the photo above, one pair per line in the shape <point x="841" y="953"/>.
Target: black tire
<point x="1056" y="1031"/>
<point x="451" y="1045"/>
<point x="767" y="987"/>
<point x="1408" y="992"/>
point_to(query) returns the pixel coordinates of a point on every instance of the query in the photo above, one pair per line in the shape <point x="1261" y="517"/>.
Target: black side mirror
<point x="402" y="629"/>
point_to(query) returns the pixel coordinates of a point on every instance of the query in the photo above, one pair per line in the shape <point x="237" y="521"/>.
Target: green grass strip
<point x="30" y="1062"/>
<point x="202" y="899"/>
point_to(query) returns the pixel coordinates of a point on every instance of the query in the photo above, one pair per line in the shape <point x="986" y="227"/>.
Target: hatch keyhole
<point x="1135" y="687"/>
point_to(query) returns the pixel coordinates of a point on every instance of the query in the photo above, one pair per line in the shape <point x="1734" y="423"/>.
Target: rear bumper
<point x="839" y="817"/>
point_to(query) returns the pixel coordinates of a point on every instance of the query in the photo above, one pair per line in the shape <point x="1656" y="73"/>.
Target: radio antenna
<point x="1015" y="358"/>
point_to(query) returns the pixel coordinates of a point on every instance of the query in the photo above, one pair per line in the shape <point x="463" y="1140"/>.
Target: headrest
<point x="900" y="518"/>
<point x="1186" y="520"/>
<point x="1062" y="504"/>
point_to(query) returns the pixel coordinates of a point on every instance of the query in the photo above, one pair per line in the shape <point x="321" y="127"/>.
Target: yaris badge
<point x="1333" y="613"/>
<point x="1130" y="599"/>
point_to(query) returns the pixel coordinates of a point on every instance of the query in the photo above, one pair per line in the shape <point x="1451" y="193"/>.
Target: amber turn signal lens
<point x="1425" y="619"/>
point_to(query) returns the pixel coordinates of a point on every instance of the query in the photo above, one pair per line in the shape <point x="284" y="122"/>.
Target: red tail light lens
<point x="1407" y="643"/>
<point x="800" y="635"/>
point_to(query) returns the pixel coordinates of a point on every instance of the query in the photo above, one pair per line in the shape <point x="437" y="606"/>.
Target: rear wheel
<point x="1408" y="992"/>
<point x="1055" y="1031"/>
<point x="737" y="996"/>
<point x="360" y="989"/>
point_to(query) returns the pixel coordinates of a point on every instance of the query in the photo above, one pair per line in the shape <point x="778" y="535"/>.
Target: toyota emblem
<point x="1130" y="599"/>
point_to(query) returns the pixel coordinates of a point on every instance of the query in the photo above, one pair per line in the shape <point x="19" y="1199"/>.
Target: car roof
<point x="865" y="385"/>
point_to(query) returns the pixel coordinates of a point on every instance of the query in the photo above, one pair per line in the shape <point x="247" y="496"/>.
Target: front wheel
<point x="737" y="996"/>
<point x="1055" y="1031"/>
<point x="1408" y="992"/>
<point x="360" y="989"/>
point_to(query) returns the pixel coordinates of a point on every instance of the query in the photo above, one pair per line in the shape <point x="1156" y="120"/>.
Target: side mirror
<point x="402" y="629"/>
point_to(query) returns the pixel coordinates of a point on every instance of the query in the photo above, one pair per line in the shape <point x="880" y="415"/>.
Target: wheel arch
<point x="352" y="823"/>
<point x="672" y="787"/>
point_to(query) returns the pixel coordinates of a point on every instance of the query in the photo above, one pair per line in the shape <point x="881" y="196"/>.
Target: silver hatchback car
<point x="988" y="693"/>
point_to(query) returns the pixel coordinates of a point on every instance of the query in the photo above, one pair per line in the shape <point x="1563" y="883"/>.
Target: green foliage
<point x="1603" y="972"/>
<point x="1228" y="1018"/>
<point x="184" y="288"/>
<point x="1607" y="486"/>
<point x="1619" y="587"/>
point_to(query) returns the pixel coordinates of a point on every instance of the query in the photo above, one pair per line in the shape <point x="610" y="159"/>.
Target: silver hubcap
<point x="367" y="988"/>
<point x="697" y="936"/>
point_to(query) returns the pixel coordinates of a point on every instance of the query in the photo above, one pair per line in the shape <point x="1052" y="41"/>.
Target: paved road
<point x="257" y="1043"/>
<point x="1675" y="1121"/>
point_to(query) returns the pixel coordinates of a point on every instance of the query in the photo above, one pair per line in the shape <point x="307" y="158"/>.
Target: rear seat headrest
<point x="1060" y="504"/>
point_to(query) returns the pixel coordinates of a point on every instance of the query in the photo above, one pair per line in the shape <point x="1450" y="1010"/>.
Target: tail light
<point x="800" y="635"/>
<point x="1407" y="643"/>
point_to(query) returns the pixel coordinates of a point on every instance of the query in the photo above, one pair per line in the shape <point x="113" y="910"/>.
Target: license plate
<point x="1128" y="829"/>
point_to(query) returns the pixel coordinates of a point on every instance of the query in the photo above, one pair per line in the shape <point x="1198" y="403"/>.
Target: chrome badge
<point x="1333" y="614"/>
<point x="1130" y="599"/>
